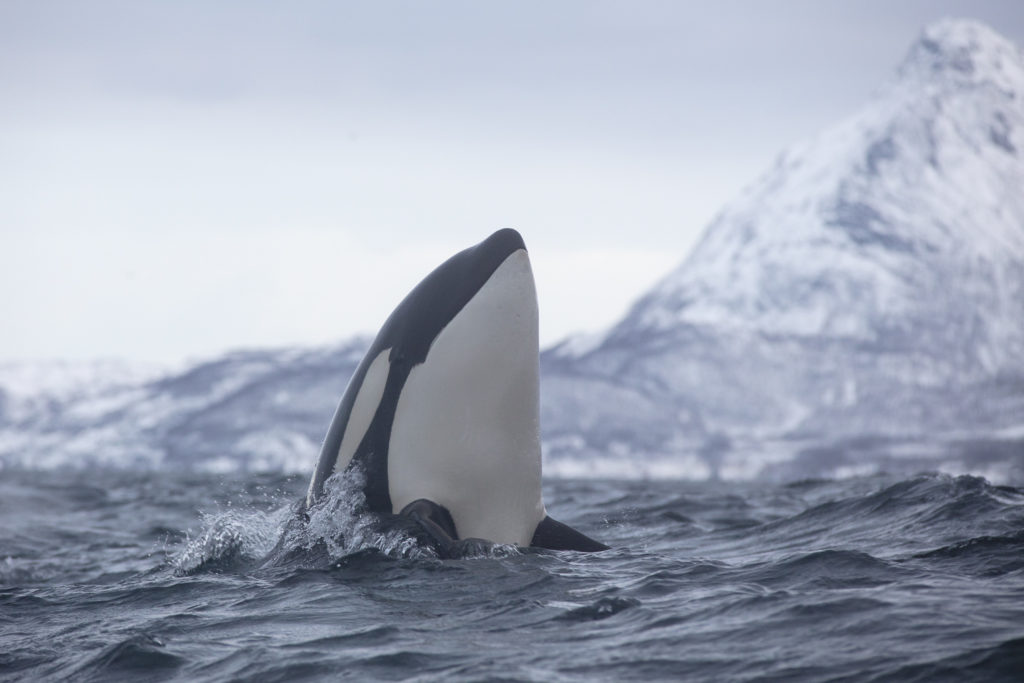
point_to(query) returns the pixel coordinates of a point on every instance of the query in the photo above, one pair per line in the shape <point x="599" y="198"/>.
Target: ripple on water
<point x="602" y="608"/>
<point x="141" y="654"/>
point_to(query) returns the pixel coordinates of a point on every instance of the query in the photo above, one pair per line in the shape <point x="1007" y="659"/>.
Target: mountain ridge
<point x="870" y="284"/>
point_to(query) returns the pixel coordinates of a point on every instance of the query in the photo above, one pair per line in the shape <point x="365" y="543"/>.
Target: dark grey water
<point x="107" y="575"/>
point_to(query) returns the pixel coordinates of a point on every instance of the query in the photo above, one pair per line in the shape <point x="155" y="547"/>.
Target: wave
<point x="337" y="527"/>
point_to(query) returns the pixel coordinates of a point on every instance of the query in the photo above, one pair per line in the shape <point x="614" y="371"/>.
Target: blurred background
<point x="778" y="240"/>
<point x="180" y="179"/>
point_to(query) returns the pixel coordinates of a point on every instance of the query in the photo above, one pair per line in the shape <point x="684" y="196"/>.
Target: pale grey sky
<point x="182" y="178"/>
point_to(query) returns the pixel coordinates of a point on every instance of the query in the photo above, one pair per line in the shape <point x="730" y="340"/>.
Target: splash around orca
<point x="441" y="418"/>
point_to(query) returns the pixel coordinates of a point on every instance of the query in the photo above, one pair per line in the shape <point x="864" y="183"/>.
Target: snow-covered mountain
<point x="859" y="307"/>
<point x="869" y="287"/>
<point x="262" y="410"/>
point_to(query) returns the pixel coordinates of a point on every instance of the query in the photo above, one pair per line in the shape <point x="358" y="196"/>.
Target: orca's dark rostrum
<point x="442" y="415"/>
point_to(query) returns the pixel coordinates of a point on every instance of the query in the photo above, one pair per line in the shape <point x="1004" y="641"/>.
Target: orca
<point x="442" y="415"/>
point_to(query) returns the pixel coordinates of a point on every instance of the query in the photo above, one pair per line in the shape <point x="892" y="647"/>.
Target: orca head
<point x="442" y="415"/>
<point x="445" y="405"/>
<point x="466" y="433"/>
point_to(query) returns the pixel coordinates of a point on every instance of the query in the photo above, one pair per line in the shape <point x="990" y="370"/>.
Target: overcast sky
<point x="182" y="178"/>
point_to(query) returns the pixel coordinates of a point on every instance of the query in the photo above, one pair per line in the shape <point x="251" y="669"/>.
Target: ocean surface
<point x="161" y="576"/>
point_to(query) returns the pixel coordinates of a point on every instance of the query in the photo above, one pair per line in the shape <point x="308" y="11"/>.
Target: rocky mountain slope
<point x="246" y="410"/>
<point x="868" y="287"/>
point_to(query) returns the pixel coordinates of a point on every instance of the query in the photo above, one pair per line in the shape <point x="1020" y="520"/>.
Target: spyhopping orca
<point x="442" y="414"/>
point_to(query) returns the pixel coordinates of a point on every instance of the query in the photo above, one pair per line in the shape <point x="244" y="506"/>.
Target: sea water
<point x="108" y="575"/>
